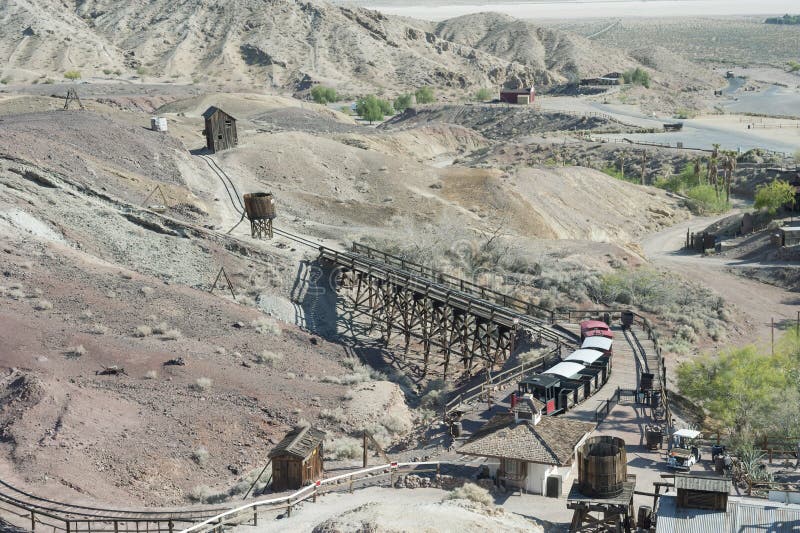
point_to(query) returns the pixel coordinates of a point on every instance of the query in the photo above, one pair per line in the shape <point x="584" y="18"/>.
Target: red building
<point x="518" y="96"/>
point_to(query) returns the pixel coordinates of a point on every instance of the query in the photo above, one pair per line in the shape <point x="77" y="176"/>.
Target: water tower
<point x="260" y="210"/>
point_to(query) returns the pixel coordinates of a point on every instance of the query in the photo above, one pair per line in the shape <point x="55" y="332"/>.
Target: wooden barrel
<point x="602" y="467"/>
<point x="259" y="206"/>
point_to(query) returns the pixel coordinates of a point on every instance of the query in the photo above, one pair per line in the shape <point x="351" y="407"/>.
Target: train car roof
<point x="566" y="369"/>
<point x="541" y="380"/>
<point x="585" y="356"/>
<point x="594" y="324"/>
<point x="601" y="343"/>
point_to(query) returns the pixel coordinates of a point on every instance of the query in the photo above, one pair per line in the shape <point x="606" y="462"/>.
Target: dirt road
<point x="757" y="301"/>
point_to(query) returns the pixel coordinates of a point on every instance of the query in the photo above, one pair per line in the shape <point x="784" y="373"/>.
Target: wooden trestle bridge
<point x="450" y="317"/>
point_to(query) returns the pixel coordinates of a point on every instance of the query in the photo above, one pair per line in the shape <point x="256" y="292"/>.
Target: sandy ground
<point x="396" y="510"/>
<point x="759" y="302"/>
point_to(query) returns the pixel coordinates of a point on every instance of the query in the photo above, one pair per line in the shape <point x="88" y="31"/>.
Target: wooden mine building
<point x="220" y="130"/>
<point x="297" y="459"/>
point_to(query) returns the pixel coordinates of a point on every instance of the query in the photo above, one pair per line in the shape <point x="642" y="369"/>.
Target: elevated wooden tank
<point x="602" y="467"/>
<point x="259" y="206"/>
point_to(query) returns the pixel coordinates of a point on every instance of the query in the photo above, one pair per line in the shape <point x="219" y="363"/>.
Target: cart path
<point x="758" y="301"/>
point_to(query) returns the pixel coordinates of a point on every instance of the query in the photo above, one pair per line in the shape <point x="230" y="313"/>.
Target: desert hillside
<point x="287" y="44"/>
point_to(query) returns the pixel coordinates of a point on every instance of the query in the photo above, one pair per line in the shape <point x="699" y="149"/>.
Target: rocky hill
<point x="285" y="44"/>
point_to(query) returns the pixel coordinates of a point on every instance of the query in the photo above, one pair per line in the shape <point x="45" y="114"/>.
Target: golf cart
<point x="683" y="453"/>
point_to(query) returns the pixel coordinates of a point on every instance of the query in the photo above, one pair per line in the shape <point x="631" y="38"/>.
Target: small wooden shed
<point x="702" y="491"/>
<point x="297" y="459"/>
<point x="524" y="96"/>
<point x="220" y="130"/>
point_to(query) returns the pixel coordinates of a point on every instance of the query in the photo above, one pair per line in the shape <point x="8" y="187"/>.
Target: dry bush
<point x="42" y="305"/>
<point x="201" y="384"/>
<point x="142" y="331"/>
<point x="98" y="329"/>
<point x="473" y="493"/>
<point x="200" y="455"/>
<point x="15" y="294"/>
<point x="268" y="358"/>
<point x="266" y="326"/>
<point x="220" y="350"/>
<point x="160" y="328"/>
<point x="86" y="314"/>
<point x="111" y="295"/>
<point x="172" y="335"/>
<point x="74" y="352"/>
<point x="151" y="374"/>
<point x="147" y="291"/>
<point x="343" y="448"/>
<point x="336" y="415"/>
<point x="396" y="425"/>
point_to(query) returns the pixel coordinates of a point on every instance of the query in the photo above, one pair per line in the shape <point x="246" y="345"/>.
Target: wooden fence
<point x="249" y="513"/>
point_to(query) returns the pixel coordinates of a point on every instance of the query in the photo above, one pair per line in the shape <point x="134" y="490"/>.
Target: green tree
<point x="424" y="95"/>
<point x="403" y="102"/>
<point x="773" y="196"/>
<point x="324" y="95"/>
<point x="739" y="388"/>
<point x="794" y="66"/>
<point x="372" y="108"/>
<point x="72" y="75"/>
<point x="483" y="94"/>
<point x="637" y="76"/>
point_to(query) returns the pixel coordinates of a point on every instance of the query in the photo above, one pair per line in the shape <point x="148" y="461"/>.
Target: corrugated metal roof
<point x="565" y="369"/>
<point x="743" y="516"/>
<point x="710" y="483"/>
<point x="603" y="343"/>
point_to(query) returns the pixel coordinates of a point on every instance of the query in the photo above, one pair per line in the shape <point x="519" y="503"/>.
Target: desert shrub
<point x="395" y="424"/>
<point x="98" y="329"/>
<point x="142" y="331"/>
<point x="147" y="291"/>
<point x="424" y="95"/>
<point x="151" y="374"/>
<point x="201" y="384"/>
<point x="483" y="94"/>
<point x="172" y="335"/>
<point x="200" y="455"/>
<point x="637" y="76"/>
<point x="705" y="200"/>
<point x="107" y="71"/>
<point x="266" y="326"/>
<point x="42" y="305"/>
<point x="435" y="394"/>
<point x="141" y="71"/>
<point x="403" y="102"/>
<point x="336" y="415"/>
<point x="473" y="493"/>
<point x="73" y="352"/>
<point x="160" y="328"/>
<point x="324" y="95"/>
<point x="15" y="294"/>
<point x="771" y="197"/>
<point x="86" y="314"/>
<point x="72" y="75"/>
<point x="373" y="109"/>
<point x="268" y="358"/>
<point x="343" y="448"/>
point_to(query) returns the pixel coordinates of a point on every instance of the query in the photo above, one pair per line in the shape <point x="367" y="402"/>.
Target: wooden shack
<point x="297" y="459"/>
<point x="702" y="491"/>
<point x="220" y="130"/>
<point x="525" y="96"/>
<point x="790" y="236"/>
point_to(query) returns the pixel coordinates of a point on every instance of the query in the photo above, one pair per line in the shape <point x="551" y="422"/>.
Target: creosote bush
<point x="73" y="352"/>
<point x="266" y="326"/>
<point x="142" y="331"/>
<point x="42" y="305"/>
<point x="200" y="455"/>
<point x="201" y="384"/>
<point x="268" y="358"/>
<point x="473" y="493"/>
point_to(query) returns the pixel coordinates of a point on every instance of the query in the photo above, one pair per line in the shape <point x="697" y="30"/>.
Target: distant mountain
<point x="286" y="44"/>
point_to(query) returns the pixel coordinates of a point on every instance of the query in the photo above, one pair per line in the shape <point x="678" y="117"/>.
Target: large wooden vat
<point x="602" y="467"/>
<point x="259" y="206"/>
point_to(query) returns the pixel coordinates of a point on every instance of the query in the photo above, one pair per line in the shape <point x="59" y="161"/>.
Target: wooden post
<point x="772" y="328"/>
<point x="289" y="509"/>
<point x="68" y="526"/>
<point x="116" y="527"/>
<point x="171" y="526"/>
<point x="364" y="439"/>
<point x="33" y="521"/>
<point x="255" y="515"/>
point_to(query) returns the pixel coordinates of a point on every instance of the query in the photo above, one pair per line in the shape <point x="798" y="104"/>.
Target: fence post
<point x="289" y="508"/>
<point x="255" y="515"/>
<point x="67" y="524"/>
<point x="33" y="521"/>
<point x="116" y="527"/>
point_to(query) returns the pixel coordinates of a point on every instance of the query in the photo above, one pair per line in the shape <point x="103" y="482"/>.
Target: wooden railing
<point x="249" y="513"/>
